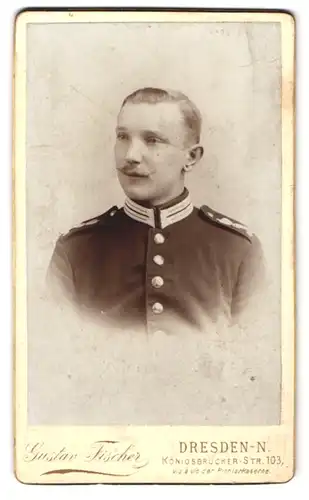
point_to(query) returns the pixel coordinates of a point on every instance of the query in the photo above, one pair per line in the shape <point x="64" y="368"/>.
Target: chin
<point x="138" y="193"/>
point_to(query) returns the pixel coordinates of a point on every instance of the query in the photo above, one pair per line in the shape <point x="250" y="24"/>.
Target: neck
<point x="163" y="202"/>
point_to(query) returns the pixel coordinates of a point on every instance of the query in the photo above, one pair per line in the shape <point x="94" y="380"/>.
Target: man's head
<point x="158" y="133"/>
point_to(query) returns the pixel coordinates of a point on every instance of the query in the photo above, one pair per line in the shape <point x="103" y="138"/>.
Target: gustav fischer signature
<point x="122" y="458"/>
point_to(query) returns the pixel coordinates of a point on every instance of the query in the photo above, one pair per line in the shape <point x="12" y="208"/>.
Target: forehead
<point x="162" y="116"/>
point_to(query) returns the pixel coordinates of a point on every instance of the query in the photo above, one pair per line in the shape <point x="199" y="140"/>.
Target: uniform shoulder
<point x="92" y="224"/>
<point x="226" y="223"/>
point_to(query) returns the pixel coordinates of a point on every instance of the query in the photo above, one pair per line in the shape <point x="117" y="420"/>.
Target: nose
<point x="134" y="153"/>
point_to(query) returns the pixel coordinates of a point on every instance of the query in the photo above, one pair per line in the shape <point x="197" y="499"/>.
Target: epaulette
<point x="100" y="219"/>
<point x="226" y="222"/>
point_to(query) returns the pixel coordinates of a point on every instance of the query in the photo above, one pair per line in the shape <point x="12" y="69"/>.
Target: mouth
<point x="135" y="175"/>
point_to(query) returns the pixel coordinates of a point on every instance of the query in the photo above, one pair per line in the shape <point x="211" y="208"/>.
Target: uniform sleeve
<point x="60" y="275"/>
<point x="251" y="282"/>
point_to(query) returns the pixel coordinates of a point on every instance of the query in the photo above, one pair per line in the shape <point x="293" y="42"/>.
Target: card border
<point x="288" y="190"/>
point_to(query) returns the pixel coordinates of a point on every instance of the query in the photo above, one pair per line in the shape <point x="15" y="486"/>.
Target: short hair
<point x="191" y="115"/>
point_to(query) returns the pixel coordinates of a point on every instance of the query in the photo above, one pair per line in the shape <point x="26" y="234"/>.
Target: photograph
<point x="151" y="229"/>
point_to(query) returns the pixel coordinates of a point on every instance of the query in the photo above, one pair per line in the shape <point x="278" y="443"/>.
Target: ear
<point x="194" y="154"/>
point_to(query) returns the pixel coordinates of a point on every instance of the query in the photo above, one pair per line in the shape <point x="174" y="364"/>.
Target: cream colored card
<point x="104" y="402"/>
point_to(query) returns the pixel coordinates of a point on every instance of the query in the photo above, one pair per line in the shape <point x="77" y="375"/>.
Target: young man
<point x="159" y="263"/>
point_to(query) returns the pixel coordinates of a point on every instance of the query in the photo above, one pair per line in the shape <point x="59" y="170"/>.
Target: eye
<point x="151" y="139"/>
<point x="122" y="136"/>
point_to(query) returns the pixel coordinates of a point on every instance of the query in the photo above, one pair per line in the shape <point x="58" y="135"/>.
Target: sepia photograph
<point x="151" y="232"/>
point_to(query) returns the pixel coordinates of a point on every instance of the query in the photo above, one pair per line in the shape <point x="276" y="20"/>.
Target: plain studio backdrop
<point x="77" y="77"/>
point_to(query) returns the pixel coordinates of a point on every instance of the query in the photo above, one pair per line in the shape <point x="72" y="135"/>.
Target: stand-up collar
<point x="163" y="215"/>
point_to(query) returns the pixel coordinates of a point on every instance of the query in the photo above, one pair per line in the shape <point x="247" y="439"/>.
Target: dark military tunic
<point x="174" y="267"/>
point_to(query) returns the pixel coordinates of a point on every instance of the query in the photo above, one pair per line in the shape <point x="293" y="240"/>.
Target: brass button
<point x="157" y="308"/>
<point x="157" y="281"/>
<point x="159" y="238"/>
<point x="159" y="260"/>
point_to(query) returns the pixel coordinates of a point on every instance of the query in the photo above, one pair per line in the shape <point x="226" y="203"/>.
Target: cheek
<point x="119" y="157"/>
<point x="120" y="150"/>
<point x="170" y="162"/>
<point x="116" y="151"/>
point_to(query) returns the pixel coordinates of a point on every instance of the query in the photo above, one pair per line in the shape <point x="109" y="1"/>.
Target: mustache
<point x="132" y="171"/>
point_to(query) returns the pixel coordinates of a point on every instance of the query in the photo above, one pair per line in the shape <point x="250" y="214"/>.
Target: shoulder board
<point x="100" y="219"/>
<point x="226" y="222"/>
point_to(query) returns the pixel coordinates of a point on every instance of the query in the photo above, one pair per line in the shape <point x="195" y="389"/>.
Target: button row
<point x="158" y="281"/>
